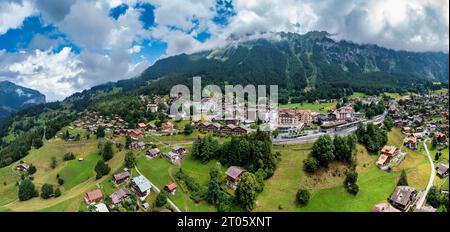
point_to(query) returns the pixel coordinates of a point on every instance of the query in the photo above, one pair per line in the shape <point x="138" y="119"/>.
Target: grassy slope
<point x="328" y="193"/>
<point x="70" y="199"/>
<point x="322" y="108"/>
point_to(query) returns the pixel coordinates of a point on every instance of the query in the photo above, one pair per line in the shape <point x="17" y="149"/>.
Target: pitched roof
<point x="142" y="183"/>
<point x="119" y="194"/>
<point x="121" y="175"/>
<point x="153" y="151"/>
<point x="402" y="195"/>
<point x="171" y="186"/>
<point x="442" y="168"/>
<point x="389" y="150"/>
<point x="94" y="195"/>
<point x="235" y="171"/>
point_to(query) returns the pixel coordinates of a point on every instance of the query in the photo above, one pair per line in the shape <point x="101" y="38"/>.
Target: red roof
<point x="94" y="195"/>
<point x="172" y="186"/>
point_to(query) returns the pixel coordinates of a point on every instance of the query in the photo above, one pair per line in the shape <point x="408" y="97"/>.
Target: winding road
<point x="422" y="199"/>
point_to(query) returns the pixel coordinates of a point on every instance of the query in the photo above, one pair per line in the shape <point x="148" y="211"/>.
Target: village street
<point x="422" y="199"/>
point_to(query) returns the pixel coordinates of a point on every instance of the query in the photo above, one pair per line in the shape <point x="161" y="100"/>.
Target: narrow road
<point x="421" y="201"/>
<point x="157" y="190"/>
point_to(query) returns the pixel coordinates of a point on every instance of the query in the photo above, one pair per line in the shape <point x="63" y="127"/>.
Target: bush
<point x="130" y="160"/>
<point x="101" y="169"/>
<point x="353" y="189"/>
<point x="60" y="181"/>
<point x="303" y="196"/>
<point x="57" y="192"/>
<point x="53" y="163"/>
<point x="46" y="191"/>
<point x="161" y="199"/>
<point x="69" y="156"/>
<point x="32" y="169"/>
<point x="27" y="190"/>
<point x="311" y="164"/>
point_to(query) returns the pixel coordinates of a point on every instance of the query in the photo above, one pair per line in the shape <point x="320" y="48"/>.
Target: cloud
<point x="413" y="25"/>
<point x="109" y="47"/>
<point x="12" y="14"/>
<point x="50" y="73"/>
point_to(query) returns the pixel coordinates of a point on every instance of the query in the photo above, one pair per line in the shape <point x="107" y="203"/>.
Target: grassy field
<point x="160" y="172"/>
<point x="76" y="172"/>
<point x="328" y="192"/>
<point x="326" y="186"/>
<point x="357" y="94"/>
<point x="321" y="108"/>
<point x="73" y="189"/>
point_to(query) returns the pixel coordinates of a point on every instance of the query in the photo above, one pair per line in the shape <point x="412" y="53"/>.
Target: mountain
<point x="305" y="67"/>
<point x="304" y="62"/>
<point x="14" y="98"/>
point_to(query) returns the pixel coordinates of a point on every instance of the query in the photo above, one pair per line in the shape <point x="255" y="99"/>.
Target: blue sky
<point x="61" y="47"/>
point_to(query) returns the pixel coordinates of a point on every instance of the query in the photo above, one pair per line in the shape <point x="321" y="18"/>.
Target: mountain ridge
<point x="14" y="98"/>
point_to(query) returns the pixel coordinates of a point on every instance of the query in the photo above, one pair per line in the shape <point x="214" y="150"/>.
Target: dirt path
<point x="421" y="201"/>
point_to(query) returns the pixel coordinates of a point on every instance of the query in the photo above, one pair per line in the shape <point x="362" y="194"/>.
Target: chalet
<point x="141" y="186"/>
<point x="174" y="158"/>
<point x="23" y="167"/>
<point x="93" y="197"/>
<point x="393" y="110"/>
<point x="411" y="142"/>
<point x="407" y="130"/>
<point x="384" y="208"/>
<point x="151" y="127"/>
<point x="121" y="177"/>
<point x="152" y="153"/>
<point x="390" y="151"/>
<point x="179" y="150"/>
<point x="228" y="129"/>
<point x="138" y="146"/>
<point x="234" y="174"/>
<point x="141" y="125"/>
<point x="403" y="197"/>
<point x="119" y="195"/>
<point x="418" y="135"/>
<point x="387" y="153"/>
<point x="240" y="130"/>
<point x="442" y="170"/>
<point x="152" y="107"/>
<point x="213" y="127"/>
<point x="136" y="134"/>
<point x="203" y="126"/>
<point x="440" y="137"/>
<point x="399" y="123"/>
<point x="167" y="127"/>
<point x="171" y="188"/>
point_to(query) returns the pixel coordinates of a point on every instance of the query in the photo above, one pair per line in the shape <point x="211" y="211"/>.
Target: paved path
<point x="157" y="190"/>
<point x="421" y="201"/>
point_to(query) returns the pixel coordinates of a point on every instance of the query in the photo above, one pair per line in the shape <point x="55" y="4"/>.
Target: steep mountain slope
<point x="14" y="98"/>
<point x="296" y="61"/>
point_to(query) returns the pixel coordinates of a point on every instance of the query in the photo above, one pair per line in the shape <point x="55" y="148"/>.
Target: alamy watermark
<point x="249" y="104"/>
